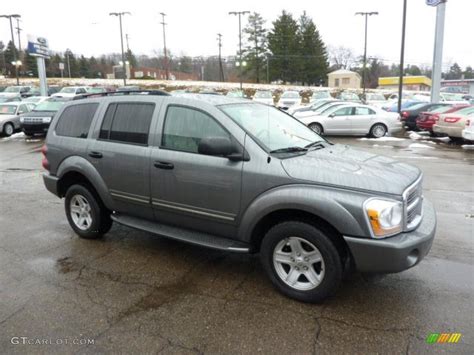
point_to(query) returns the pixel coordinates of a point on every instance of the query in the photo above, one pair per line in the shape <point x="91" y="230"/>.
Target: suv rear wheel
<point x="86" y="214"/>
<point x="301" y="261"/>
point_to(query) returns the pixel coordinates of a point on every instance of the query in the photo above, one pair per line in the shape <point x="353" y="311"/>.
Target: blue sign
<point x="38" y="46"/>
<point x="434" y="2"/>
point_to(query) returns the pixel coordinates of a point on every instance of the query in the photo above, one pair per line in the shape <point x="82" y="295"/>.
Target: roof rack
<point x="122" y="93"/>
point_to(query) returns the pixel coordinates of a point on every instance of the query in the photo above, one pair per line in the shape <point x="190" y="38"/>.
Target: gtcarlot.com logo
<point x="51" y="341"/>
<point x="443" y="338"/>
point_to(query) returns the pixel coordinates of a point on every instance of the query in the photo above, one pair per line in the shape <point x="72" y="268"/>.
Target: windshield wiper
<point x="289" y="150"/>
<point x="317" y="145"/>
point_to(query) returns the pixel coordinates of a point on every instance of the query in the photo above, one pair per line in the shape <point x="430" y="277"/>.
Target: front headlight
<point x="22" y="119"/>
<point x="46" y="119"/>
<point x="385" y="217"/>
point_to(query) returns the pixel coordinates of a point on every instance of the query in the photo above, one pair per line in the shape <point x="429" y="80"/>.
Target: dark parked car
<point x="38" y="120"/>
<point x="238" y="176"/>
<point x="410" y="114"/>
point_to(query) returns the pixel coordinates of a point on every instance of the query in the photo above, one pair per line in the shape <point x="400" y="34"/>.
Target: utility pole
<point x="402" y="57"/>
<point x="221" y="69"/>
<point x="15" y="62"/>
<point x="18" y="32"/>
<point x="241" y="64"/>
<point x="164" y="45"/>
<point x="364" y="72"/>
<point x="438" y="49"/>
<point x="257" y="64"/>
<point x="124" y="64"/>
<point x="68" y="52"/>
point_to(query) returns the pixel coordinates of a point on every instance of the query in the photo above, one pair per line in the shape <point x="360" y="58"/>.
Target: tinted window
<point x="75" y="121"/>
<point x="127" y="122"/>
<point x="185" y="127"/>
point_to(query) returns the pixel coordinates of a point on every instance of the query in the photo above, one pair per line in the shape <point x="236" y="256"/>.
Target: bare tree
<point x="341" y="57"/>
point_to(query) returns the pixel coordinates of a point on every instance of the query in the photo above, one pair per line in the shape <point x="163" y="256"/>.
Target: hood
<point x="39" y="114"/>
<point x="342" y="166"/>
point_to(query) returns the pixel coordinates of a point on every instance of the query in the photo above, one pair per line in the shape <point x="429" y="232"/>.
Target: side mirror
<point x="220" y="146"/>
<point x="332" y="115"/>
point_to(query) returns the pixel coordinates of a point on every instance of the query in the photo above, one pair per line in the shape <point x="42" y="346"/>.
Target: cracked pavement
<point x="135" y="292"/>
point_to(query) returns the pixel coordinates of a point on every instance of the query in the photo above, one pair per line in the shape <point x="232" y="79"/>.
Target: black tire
<point x="333" y="267"/>
<point x="376" y="129"/>
<point x="101" y="221"/>
<point x="316" y="127"/>
<point x="8" y="129"/>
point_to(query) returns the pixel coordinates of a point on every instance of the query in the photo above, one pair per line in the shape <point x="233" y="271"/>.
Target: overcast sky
<point x="85" y="26"/>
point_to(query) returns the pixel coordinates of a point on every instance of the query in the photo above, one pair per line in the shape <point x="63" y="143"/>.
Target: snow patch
<point x="13" y="136"/>
<point x="443" y="139"/>
<point x="418" y="145"/>
<point x="382" y="146"/>
<point x="415" y="136"/>
<point x="382" y="139"/>
<point x="468" y="146"/>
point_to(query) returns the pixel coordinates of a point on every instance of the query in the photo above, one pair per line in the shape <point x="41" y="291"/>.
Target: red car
<point x="426" y="120"/>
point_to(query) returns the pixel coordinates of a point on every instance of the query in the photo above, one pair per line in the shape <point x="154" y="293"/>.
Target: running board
<point x="184" y="235"/>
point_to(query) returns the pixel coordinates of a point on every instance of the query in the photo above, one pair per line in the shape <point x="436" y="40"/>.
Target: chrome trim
<point x="129" y="197"/>
<point x="414" y="204"/>
<point x="191" y="210"/>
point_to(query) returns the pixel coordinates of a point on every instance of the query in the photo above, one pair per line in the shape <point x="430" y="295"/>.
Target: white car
<point x="264" y="97"/>
<point x="454" y="99"/>
<point x="319" y="108"/>
<point x="35" y="99"/>
<point x="354" y="119"/>
<point x="288" y="99"/>
<point x="15" y="91"/>
<point x="71" y="91"/>
<point x="377" y="100"/>
<point x="10" y="117"/>
<point x="468" y="132"/>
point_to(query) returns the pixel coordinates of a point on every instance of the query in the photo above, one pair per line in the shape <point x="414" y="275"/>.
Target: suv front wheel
<point x="86" y="214"/>
<point x="301" y="261"/>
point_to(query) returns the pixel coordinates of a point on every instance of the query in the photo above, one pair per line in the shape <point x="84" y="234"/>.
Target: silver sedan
<point x="10" y="116"/>
<point x="354" y="119"/>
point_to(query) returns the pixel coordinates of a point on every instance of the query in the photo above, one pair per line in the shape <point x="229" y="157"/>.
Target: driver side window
<point x="345" y="111"/>
<point x="184" y="128"/>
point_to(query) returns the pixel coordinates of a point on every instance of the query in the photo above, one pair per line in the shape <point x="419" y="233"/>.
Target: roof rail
<point x="122" y="93"/>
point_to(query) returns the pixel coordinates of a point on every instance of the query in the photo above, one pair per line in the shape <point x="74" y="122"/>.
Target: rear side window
<point x="127" y="122"/>
<point x="75" y="121"/>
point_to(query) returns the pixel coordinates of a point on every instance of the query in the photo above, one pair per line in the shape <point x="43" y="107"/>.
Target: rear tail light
<point x="452" y="119"/>
<point x="44" y="161"/>
<point x="405" y="114"/>
<point x="436" y="118"/>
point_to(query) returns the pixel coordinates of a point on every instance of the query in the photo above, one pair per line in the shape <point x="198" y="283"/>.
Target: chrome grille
<point x="33" y="120"/>
<point x="413" y="201"/>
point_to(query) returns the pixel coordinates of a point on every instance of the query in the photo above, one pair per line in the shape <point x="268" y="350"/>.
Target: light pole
<point x="68" y="52"/>
<point x="13" y="42"/>
<point x="221" y="69"/>
<point x="119" y="15"/>
<point x="402" y="57"/>
<point x="164" y="45"/>
<point x="241" y="63"/>
<point x="364" y="74"/>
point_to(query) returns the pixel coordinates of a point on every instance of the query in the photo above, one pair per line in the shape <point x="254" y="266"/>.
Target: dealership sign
<point x="38" y="46"/>
<point x="434" y="2"/>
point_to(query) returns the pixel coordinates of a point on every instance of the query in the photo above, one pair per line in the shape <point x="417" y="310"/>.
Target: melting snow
<point x="468" y="146"/>
<point x="382" y="139"/>
<point x="418" y="145"/>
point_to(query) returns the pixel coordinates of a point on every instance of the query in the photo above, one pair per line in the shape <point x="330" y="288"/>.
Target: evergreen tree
<point x="313" y="57"/>
<point x="10" y="54"/>
<point x="3" y="68"/>
<point x="84" y="69"/>
<point x="74" y="65"/>
<point x="283" y="45"/>
<point x="455" y="72"/>
<point x="30" y="65"/>
<point x="468" y="73"/>
<point x="186" y="64"/>
<point x="254" y="52"/>
<point x="131" y="58"/>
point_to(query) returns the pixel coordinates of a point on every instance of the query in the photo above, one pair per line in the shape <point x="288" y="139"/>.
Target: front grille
<point x="33" y="120"/>
<point x="413" y="201"/>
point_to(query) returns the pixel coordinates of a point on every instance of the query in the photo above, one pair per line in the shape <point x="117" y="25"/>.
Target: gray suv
<point x="238" y="176"/>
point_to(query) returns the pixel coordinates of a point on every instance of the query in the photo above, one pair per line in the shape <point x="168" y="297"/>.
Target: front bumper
<point x="397" y="253"/>
<point x="51" y="183"/>
<point x="29" y="128"/>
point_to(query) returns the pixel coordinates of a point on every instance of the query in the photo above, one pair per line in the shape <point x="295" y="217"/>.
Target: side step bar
<point x="184" y="235"/>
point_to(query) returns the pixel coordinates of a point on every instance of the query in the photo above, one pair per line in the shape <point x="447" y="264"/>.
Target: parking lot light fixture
<point x="119" y="15"/>
<point x="240" y="13"/>
<point x="10" y="17"/>
<point x="364" y="74"/>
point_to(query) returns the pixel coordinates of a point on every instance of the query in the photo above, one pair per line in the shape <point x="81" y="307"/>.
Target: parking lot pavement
<point x="135" y="292"/>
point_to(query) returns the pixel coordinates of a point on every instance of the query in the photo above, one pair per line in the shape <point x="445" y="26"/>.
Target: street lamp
<point x="119" y="15"/>
<point x="13" y="42"/>
<point x="167" y="70"/>
<point x="240" y="13"/>
<point x="364" y="81"/>
<point x="68" y="53"/>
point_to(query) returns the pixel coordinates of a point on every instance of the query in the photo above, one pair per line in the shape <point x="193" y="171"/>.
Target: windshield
<point x="49" y="106"/>
<point x="12" y="89"/>
<point x="320" y="95"/>
<point x="263" y="95"/>
<point x="442" y="109"/>
<point x="7" y="109"/>
<point x="417" y="106"/>
<point x="349" y="96"/>
<point x="329" y="107"/>
<point x="68" y="90"/>
<point x="235" y="94"/>
<point x="270" y="127"/>
<point x="290" y="95"/>
<point x="465" y="111"/>
<point x="96" y="90"/>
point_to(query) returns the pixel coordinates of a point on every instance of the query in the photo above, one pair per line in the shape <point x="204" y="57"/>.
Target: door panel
<point x="340" y="123"/>
<point x="362" y="120"/>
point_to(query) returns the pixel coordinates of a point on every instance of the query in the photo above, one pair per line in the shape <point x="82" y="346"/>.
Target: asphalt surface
<point x="136" y="292"/>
